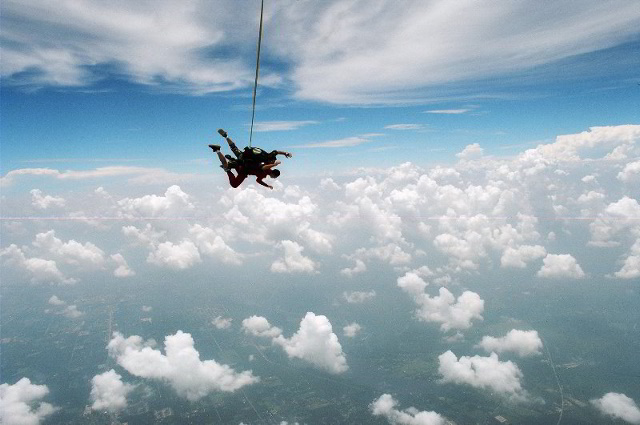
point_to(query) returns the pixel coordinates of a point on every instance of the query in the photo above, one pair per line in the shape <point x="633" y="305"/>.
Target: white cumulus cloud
<point x="357" y="297"/>
<point x="122" y="269"/>
<point x="43" y="202"/>
<point x="619" y="406"/>
<point x="630" y="172"/>
<point x="54" y="300"/>
<point x="520" y="256"/>
<point x="351" y="330"/>
<point x="72" y="312"/>
<point x="385" y="406"/>
<point x="523" y="343"/>
<point x="181" y="366"/>
<point x="444" y="308"/>
<point x="21" y="403"/>
<point x="483" y="372"/>
<point x="559" y="266"/>
<point x="473" y="151"/>
<point x="260" y="326"/>
<point x="71" y="252"/>
<point x="174" y="203"/>
<point x="178" y="256"/>
<point x="108" y="392"/>
<point x="212" y="244"/>
<point x="293" y="260"/>
<point x="38" y="269"/>
<point x="631" y="265"/>
<point x="314" y="342"/>
<point x="222" y="322"/>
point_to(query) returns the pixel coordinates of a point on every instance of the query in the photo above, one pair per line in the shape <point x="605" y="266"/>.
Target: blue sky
<point x="443" y="150"/>
<point x="86" y="84"/>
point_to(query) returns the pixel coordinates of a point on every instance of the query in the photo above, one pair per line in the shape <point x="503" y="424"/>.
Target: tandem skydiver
<point x="250" y="161"/>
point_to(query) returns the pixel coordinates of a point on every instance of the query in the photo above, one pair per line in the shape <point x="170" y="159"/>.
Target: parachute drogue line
<point x="255" y="84"/>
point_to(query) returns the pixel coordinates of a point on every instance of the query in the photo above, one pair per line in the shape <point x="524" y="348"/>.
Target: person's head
<point x="274" y="173"/>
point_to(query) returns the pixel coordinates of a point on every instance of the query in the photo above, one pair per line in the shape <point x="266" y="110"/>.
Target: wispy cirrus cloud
<point x="142" y="175"/>
<point x="447" y="111"/>
<point x="405" y="127"/>
<point x="346" y="142"/>
<point x="155" y="43"/>
<point x="334" y="50"/>
<point x="266" y="126"/>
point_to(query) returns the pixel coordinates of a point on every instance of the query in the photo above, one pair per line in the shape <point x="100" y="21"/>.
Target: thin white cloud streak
<point x="347" y="142"/>
<point x="447" y="111"/>
<point x="342" y="57"/>
<point x="405" y="127"/>
<point x="150" y="42"/>
<point x="140" y="175"/>
<point x="267" y="126"/>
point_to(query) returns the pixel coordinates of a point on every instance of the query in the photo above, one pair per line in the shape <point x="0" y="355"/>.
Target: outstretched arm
<point x="287" y="154"/>
<point x="261" y="182"/>
<point x="267" y="167"/>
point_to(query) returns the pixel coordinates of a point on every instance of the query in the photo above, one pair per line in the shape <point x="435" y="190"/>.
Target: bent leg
<point x="234" y="180"/>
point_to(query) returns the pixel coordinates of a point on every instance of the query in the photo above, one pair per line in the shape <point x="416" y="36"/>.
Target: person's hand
<point x="270" y="187"/>
<point x="288" y="155"/>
